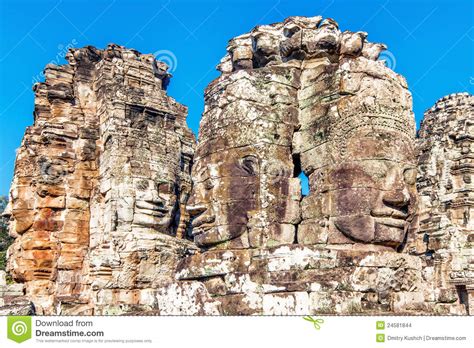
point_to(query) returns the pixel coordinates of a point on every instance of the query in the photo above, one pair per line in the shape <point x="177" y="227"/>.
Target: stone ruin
<point x="115" y="210"/>
<point x="101" y="181"/>
<point x="445" y="236"/>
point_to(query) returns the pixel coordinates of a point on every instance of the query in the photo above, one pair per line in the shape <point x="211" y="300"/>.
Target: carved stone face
<point x="155" y="204"/>
<point x="225" y="189"/>
<point x="372" y="189"/>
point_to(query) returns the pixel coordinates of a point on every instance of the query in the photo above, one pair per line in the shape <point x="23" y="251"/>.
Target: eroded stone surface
<point x="296" y="280"/>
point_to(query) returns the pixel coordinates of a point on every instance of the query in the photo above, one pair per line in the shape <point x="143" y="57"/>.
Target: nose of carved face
<point x="193" y="208"/>
<point x="398" y="199"/>
<point x="394" y="210"/>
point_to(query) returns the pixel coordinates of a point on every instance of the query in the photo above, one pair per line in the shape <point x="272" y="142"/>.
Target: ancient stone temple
<point x="116" y="210"/>
<point x="101" y="179"/>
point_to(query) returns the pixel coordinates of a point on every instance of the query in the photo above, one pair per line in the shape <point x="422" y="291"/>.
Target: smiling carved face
<point x="155" y="204"/>
<point x="372" y="191"/>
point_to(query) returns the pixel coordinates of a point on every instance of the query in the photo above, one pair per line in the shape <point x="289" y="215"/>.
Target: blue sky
<point x="430" y="43"/>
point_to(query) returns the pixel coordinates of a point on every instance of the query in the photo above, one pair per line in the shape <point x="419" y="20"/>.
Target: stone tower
<point x="303" y="96"/>
<point x="295" y="96"/>
<point x="446" y="190"/>
<point x="101" y="180"/>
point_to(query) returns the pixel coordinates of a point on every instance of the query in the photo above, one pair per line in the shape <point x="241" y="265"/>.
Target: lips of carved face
<point x="199" y="205"/>
<point x="200" y="221"/>
<point x="391" y="221"/>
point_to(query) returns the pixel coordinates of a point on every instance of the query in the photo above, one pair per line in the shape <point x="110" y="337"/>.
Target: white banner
<point x="228" y="332"/>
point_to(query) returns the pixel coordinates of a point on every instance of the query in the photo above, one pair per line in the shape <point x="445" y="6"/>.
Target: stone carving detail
<point x="101" y="182"/>
<point x="357" y="149"/>
<point x="244" y="191"/>
<point x="303" y="96"/>
<point x="300" y="95"/>
<point x="446" y="220"/>
<point x="115" y="210"/>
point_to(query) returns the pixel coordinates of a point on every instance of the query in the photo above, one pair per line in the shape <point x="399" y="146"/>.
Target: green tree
<point x="5" y="239"/>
